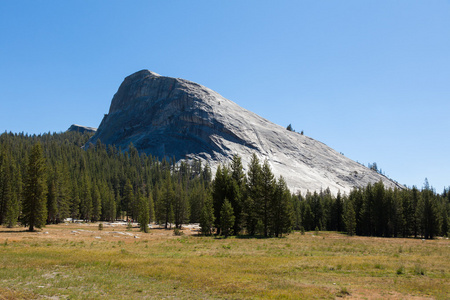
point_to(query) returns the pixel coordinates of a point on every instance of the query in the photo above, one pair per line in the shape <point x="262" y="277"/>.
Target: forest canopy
<point x="46" y="179"/>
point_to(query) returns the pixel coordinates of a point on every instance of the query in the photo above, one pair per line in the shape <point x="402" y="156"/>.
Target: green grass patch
<point x="191" y="267"/>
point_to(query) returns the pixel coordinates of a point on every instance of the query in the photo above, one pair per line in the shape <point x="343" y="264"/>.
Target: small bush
<point x="419" y="270"/>
<point x="178" y="232"/>
<point x="343" y="292"/>
<point x="401" y="270"/>
<point x="100" y="226"/>
<point x="302" y="230"/>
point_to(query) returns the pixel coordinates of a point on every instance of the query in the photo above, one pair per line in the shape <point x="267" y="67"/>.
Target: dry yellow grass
<point x="77" y="261"/>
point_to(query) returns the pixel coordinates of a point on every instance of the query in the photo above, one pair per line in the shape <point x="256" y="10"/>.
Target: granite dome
<point x="172" y="117"/>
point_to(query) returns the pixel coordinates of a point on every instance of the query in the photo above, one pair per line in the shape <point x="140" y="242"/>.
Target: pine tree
<point x="151" y="208"/>
<point x="207" y="217"/>
<point x="226" y="218"/>
<point x="62" y="192"/>
<point x="75" y="203"/>
<point x="297" y="212"/>
<point x="338" y="209"/>
<point x="109" y="205"/>
<point x="397" y="220"/>
<point x="357" y="198"/>
<point x="96" y="204"/>
<point x="238" y="190"/>
<point x="35" y="193"/>
<point x="367" y="214"/>
<point x="180" y="207"/>
<point x="349" y="217"/>
<point x="165" y="203"/>
<point x="253" y="195"/>
<point x="307" y="217"/>
<point x="222" y="187"/>
<point x="143" y="217"/>
<point x="52" y="207"/>
<point x="445" y="228"/>
<point x="429" y="217"/>
<point x="281" y="209"/>
<point x="128" y="199"/>
<point x="408" y="210"/>
<point x="267" y="195"/>
<point x="9" y="190"/>
<point x="415" y="200"/>
<point x="197" y="196"/>
<point x="86" y="206"/>
<point x="380" y="216"/>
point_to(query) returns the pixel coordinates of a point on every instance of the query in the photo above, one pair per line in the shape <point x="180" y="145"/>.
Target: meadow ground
<point x="77" y="261"/>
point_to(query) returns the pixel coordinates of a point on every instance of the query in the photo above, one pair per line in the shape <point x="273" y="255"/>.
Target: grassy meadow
<point x="77" y="261"/>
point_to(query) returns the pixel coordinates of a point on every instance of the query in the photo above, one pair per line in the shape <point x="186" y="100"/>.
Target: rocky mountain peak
<point x="172" y="117"/>
<point x="81" y="128"/>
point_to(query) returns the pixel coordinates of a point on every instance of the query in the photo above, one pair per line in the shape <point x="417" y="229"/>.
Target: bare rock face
<point x="172" y="117"/>
<point x="82" y="129"/>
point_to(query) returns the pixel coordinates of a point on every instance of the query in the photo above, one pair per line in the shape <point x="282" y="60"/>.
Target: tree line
<point x="377" y="211"/>
<point x="45" y="179"/>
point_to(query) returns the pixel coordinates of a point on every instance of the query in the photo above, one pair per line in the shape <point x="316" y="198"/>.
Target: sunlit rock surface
<point x="173" y="117"/>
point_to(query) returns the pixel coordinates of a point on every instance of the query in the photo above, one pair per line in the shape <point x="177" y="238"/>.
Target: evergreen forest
<point x="48" y="178"/>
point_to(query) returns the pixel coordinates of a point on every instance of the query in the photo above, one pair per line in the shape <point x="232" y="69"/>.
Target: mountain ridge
<point x="173" y="117"/>
<point x="81" y="128"/>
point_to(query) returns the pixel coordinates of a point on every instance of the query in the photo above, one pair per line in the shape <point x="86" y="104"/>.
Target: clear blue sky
<point x="369" y="78"/>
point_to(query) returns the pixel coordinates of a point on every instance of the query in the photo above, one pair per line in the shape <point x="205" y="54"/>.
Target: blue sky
<point x="369" y="78"/>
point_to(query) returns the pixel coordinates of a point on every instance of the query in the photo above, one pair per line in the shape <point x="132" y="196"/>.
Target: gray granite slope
<point x="173" y="117"/>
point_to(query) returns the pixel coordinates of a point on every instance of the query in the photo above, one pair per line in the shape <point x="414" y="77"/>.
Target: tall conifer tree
<point x="35" y="193"/>
<point x="226" y="218"/>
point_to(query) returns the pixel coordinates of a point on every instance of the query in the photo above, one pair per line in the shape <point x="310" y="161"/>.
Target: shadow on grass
<point x="16" y="231"/>
<point x="244" y="237"/>
<point x="258" y="237"/>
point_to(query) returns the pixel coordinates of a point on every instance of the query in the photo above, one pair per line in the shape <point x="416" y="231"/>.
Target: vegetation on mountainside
<point x="104" y="183"/>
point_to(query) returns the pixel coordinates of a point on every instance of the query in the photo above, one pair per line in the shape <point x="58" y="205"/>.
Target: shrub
<point x="419" y="270"/>
<point x="177" y="231"/>
<point x="302" y="230"/>
<point x="401" y="270"/>
<point x="100" y="226"/>
<point x="343" y="292"/>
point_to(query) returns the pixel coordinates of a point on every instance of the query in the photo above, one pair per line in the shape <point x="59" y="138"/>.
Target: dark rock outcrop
<point x="82" y="129"/>
<point x="172" y="117"/>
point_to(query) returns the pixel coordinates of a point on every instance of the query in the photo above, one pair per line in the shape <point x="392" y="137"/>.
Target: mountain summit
<point x="172" y="117"/>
